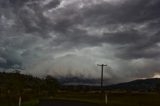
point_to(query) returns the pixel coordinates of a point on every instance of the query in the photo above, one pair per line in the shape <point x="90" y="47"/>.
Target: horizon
<point x="78" y="81"/>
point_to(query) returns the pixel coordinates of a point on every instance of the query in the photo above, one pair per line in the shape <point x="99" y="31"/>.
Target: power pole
<point x="102" y="67"/>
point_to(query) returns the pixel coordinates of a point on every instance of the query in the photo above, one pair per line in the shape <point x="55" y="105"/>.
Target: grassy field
<point x="31" y="103"/>
<point x="114" y="99"/>
<point x="134" y="99"/>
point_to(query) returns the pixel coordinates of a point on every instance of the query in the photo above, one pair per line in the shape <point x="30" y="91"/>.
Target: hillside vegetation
<point x="14" y="85"/>
<point x="143" y="85"/>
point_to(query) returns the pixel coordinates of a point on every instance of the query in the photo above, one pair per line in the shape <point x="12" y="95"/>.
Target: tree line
<point x="13" y="85"/>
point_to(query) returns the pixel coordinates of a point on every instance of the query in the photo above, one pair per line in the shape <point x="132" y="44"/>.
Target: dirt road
<point x="65" y="103"/>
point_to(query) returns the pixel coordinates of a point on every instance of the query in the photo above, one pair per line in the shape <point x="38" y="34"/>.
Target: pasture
<point x="114" y="98"/>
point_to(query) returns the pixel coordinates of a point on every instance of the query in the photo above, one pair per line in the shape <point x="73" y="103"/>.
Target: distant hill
<point x="71" y="80"/>
<point x="89" y="84"/>
<point x="137" y="85"/>
<point x="77" y="81"/>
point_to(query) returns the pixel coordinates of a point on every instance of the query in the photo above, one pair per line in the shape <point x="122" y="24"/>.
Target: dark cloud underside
<point x="39" y="34"/>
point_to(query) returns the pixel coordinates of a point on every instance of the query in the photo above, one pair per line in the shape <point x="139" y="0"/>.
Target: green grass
<point x="15" y="103"/>
<point x="114" y="99"/>
<point x="134" y="99"/>
<point x="81" y="97"/>
<point x="31" y="103"/>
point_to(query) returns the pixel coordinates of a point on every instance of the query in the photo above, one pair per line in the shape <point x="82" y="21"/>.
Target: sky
<point x="70" y="37"/>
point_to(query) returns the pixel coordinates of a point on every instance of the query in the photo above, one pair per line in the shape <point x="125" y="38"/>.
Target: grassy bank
<point x="114" y="99"/>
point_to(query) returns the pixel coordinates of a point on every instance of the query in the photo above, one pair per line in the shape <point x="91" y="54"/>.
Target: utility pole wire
<point x="102" y="67"/>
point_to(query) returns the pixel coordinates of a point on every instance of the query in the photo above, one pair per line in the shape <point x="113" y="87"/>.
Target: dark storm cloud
<point x="35" y="33"/>
<point x="28" y="15"/>
<point x="137" y="11"/>
<point x="122" y="38"/>
<point x="135" y="42"/>
<point x="140" y="46"/>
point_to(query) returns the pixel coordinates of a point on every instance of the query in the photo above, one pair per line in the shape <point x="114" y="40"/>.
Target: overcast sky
<point x="69" y="37"/>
